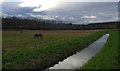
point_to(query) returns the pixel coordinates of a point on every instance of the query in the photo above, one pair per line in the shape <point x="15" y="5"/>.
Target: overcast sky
<point x="70" y="0"/>
<point x="74" y="11"/>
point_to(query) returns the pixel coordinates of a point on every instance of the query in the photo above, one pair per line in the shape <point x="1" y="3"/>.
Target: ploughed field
<point x="21" y="51"/>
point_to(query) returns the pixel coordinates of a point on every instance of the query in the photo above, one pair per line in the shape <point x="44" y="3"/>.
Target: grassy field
<point x="22" y="51"/>
<point x="107" y="58"/>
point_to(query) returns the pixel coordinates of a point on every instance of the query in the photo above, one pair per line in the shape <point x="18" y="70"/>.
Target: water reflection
<point x="77" y="60"/>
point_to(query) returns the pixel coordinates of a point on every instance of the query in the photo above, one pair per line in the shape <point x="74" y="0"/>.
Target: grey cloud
<point x="70" y="11"/>
<point x="12" y="8"/>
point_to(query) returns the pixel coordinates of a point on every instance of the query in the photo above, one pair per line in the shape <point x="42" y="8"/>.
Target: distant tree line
<point x="30" y="24"/>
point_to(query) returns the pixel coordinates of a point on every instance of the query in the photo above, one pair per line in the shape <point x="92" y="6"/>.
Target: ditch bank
<point x="80" y="58"/>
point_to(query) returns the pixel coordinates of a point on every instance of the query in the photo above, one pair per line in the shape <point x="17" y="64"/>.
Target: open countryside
<point x="46" y="34"/>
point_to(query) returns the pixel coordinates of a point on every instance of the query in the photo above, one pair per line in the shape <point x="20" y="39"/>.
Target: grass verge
<point x="107" y="58"/>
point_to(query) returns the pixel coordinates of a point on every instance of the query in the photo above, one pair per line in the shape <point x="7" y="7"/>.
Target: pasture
<point x="22" y="51"/>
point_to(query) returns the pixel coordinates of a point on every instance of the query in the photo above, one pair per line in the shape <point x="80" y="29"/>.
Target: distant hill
<point x="15" y="23"/>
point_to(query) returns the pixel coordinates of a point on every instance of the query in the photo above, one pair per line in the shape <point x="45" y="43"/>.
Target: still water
<point x="80" y="58"/>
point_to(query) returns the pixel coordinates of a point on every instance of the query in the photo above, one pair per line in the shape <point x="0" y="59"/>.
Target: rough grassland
<point x="107" y="58"/>
<point x="22" y="51"/>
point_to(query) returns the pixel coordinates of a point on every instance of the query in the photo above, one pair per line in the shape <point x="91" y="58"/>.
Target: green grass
<point x="107" y="58"/>
<point x="0" y="48"/>
<point x="22" y="51"/>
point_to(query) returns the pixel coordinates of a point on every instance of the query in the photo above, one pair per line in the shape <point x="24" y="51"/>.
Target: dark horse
<point x="38" y="35"/>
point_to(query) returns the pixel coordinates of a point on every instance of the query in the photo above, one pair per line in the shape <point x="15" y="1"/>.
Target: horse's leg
<point x="37" y="36"/>
<point x="34" y="36"/>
